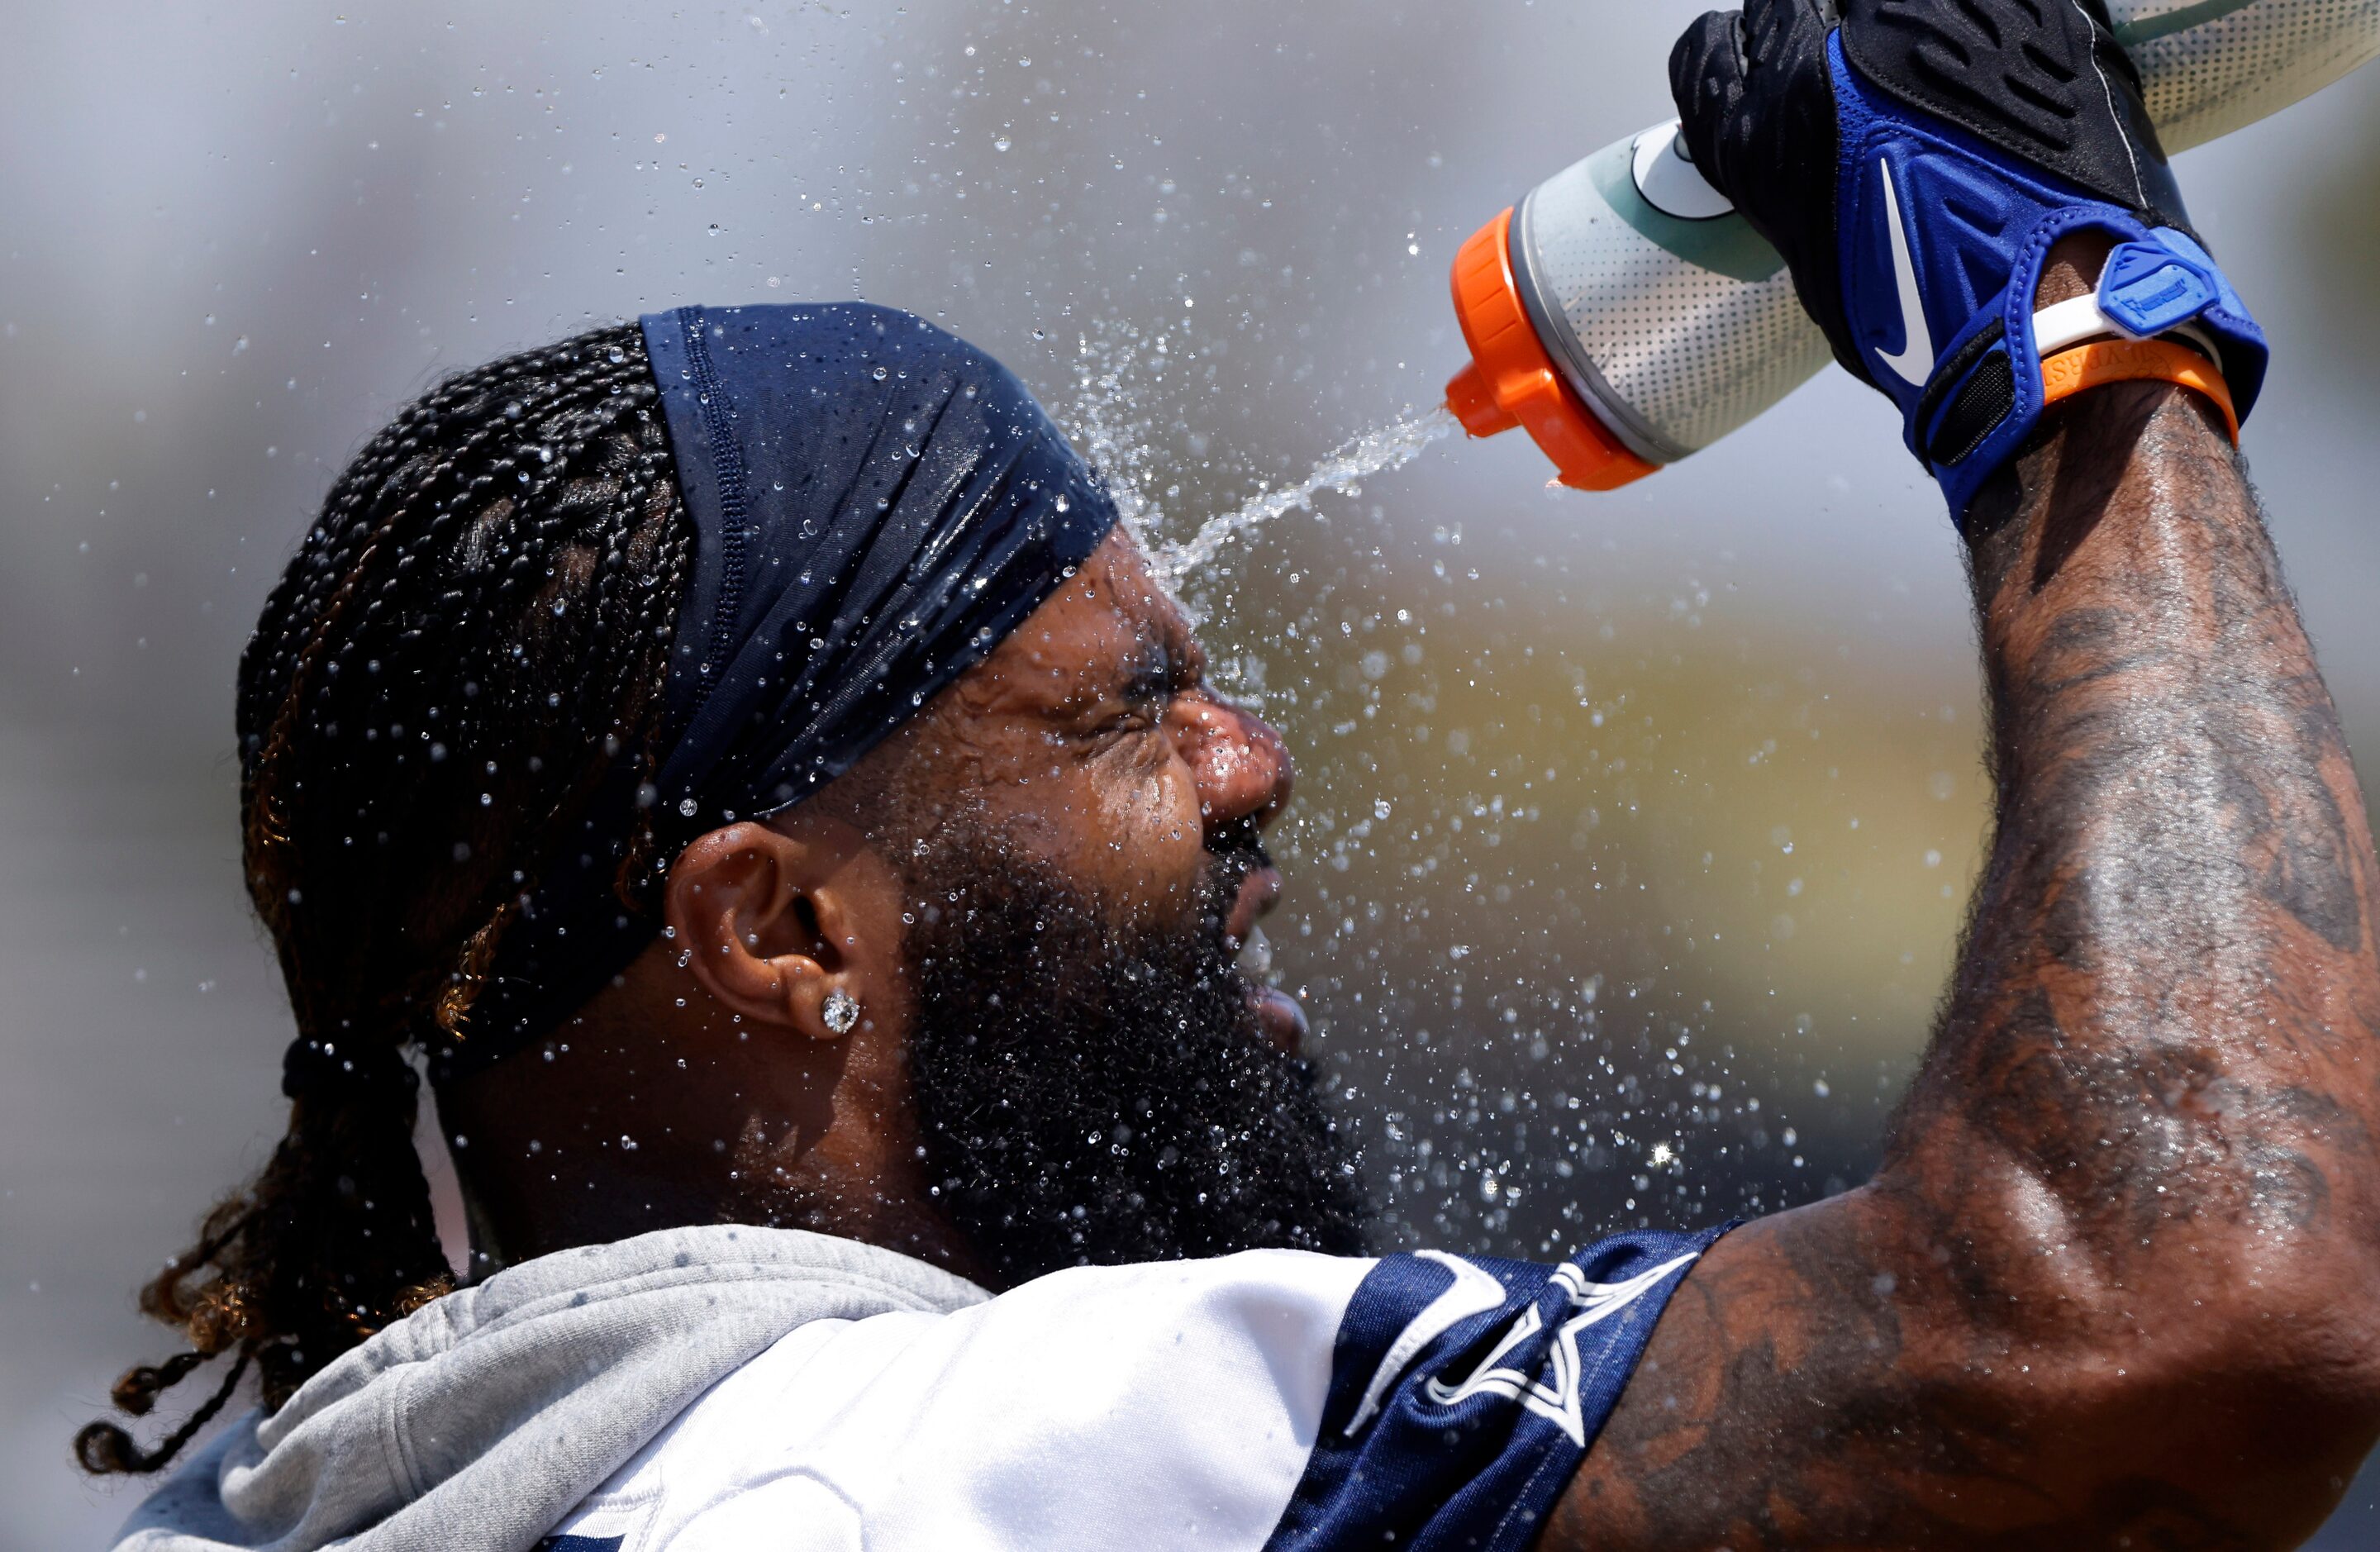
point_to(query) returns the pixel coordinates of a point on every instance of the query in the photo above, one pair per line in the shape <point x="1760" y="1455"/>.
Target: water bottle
<point x="1627" y="317"/>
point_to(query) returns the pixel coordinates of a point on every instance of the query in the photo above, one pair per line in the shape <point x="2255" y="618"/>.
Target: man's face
<point x="1089" y="742"/>
<point x="1095" y="1079"/>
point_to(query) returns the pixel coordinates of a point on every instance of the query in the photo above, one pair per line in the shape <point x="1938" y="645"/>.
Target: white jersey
<point x="1274" y="1400"/>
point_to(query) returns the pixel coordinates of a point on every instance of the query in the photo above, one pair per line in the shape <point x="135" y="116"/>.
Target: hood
<point x="480" y="1420"/>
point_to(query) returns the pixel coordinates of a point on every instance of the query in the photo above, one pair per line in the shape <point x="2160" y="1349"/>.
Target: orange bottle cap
<point x="1512" y="382"/>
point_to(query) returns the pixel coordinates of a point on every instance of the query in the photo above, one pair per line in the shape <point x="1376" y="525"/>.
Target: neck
<point x="647" y="1112"/>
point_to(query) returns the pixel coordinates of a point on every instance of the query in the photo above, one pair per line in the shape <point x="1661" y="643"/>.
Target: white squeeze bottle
<point x="1627" y="317"/>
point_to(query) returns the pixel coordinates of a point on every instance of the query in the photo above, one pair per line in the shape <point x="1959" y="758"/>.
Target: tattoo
<point x="2113" y="1285"/>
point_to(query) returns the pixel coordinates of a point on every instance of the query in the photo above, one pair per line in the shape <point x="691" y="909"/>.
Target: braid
<point x="474" y="632"/>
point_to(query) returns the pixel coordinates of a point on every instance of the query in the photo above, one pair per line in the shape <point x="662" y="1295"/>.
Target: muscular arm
<point x="2115" y="1282"/>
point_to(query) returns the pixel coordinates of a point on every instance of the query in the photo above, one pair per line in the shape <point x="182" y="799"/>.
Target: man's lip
<point x="1258" y="892"/>
<point x="1276" y="1012"/>
<point x="1280" y="1018"/>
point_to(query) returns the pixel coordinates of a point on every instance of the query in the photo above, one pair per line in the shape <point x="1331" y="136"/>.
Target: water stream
<point x="1373" y="452"/>
<point x="1122" y="373"/>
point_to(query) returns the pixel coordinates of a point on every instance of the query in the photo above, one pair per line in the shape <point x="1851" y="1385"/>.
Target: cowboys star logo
<point x="1557" y="1395"/>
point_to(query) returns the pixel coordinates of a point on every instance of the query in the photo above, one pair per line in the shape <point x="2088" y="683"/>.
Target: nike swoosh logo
<point x="1915" y="362"/>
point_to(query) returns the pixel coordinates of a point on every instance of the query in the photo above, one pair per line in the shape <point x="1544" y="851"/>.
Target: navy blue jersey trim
<point x="580" y="1544"/>
<point x="1464" y="1392"/>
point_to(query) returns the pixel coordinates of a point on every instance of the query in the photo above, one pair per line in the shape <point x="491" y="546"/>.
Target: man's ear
<point x="771" y="922"/>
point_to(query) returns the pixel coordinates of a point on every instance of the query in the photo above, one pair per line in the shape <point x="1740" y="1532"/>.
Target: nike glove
<point x="1914" y="161"/>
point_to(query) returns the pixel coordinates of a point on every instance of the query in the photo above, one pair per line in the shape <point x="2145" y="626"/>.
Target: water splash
<point x="1121" y="372"/>
<point x="1376" y="452"/>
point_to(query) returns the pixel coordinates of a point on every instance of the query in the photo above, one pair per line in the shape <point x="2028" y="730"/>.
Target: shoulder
<point x="1275" y="1400"/>
<point x="1178" y="1397"/>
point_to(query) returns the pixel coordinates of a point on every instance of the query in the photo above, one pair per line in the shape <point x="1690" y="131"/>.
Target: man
<point x="745" y="756"/>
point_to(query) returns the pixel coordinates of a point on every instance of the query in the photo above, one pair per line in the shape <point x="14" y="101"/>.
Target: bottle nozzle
<point x="1512" y="382"/>
<point x="1473" y="399"/>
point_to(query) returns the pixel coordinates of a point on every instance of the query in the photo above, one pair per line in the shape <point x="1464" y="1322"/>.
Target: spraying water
<point x="1121" y="370"/>
<point x="1375" y="451"/>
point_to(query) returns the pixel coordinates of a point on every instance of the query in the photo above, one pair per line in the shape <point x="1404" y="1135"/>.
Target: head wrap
<point x="875" y="505"/>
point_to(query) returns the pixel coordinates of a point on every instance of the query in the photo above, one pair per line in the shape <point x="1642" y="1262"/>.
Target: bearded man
<point x="744" y="755"/>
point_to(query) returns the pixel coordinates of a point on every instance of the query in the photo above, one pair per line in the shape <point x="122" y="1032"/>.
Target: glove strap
<point x="2101" y="362"/>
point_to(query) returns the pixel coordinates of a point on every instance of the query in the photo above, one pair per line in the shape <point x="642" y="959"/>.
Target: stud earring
<point x="840" y="1012"/>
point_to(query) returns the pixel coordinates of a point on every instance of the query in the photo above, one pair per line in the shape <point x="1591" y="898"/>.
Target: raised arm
<point x="2119" y="1274"/>
<point x="2118" y="1280"/>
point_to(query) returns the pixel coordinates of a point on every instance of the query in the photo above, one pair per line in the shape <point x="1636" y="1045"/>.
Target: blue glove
<point x="1915" y="162"/>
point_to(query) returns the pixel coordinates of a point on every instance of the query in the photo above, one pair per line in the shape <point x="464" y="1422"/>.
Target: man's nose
<point x="1241" y="764"/>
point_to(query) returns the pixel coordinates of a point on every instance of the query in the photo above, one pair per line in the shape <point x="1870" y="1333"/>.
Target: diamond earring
<point x="840" y="1012"/>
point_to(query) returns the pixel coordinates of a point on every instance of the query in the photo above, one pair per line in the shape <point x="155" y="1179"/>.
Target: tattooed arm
<point x="2118" y="1280"/>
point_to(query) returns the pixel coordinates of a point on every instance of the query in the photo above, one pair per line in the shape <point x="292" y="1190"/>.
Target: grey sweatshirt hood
<point x="480" y="1421"/>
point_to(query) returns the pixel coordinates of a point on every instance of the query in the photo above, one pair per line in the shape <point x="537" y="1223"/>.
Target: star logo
<point x="1556" y="1397"/>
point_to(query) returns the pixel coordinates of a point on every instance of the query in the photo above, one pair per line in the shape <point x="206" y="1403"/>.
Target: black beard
<point x="1096" y="1093"/>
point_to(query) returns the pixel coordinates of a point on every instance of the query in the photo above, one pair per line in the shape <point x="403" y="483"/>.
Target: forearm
<point x="2144" y="1133"/>
<point x="2164" y="1017"/>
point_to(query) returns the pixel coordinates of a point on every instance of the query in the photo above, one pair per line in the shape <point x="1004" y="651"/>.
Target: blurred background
<point x="1633" y="832"/>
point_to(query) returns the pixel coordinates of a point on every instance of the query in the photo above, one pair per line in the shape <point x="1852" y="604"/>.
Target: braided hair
<point x="468" y="642"/>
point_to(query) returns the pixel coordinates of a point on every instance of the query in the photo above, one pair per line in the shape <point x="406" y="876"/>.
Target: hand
<point x="1914" y="162"/>
<point x="1757" y="104"/>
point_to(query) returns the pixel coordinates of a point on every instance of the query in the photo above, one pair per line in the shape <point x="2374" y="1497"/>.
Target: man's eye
<point x="1149" y="694"/>
<point x="1142" y="705"/>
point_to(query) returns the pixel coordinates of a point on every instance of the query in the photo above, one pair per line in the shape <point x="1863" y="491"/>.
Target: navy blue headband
<point x="875" y="505"/>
